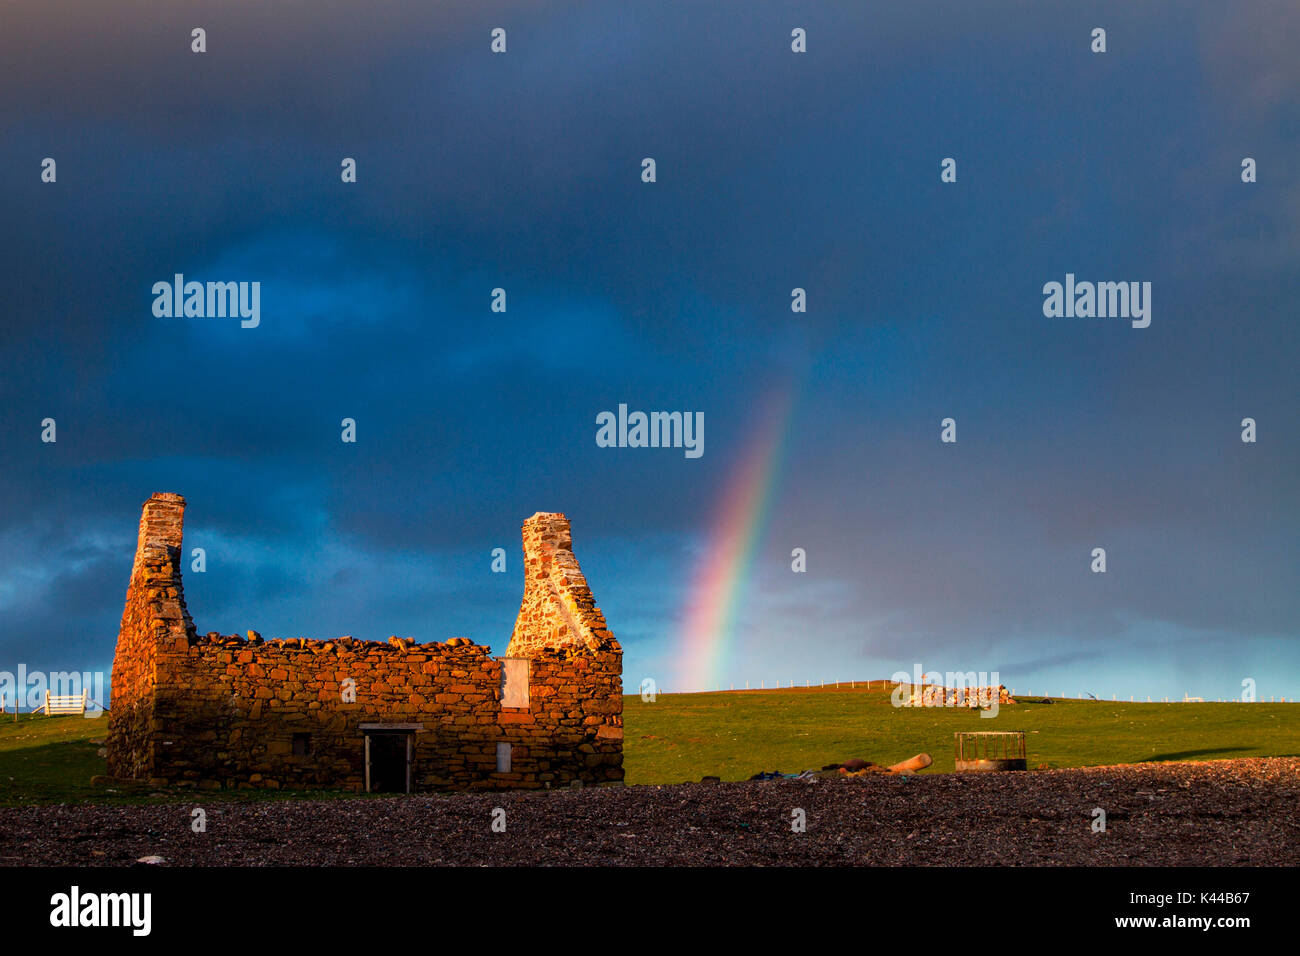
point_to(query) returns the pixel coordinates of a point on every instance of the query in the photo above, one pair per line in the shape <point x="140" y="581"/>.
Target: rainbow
<point x="723" y="571"/>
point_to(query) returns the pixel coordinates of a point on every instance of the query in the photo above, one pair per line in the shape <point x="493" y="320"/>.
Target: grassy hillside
<point x="49" y="759"/>
<point x="734" y="735"/>
<point x="683" y="737"/>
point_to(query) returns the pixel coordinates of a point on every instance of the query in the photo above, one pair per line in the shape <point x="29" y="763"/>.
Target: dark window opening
<point x="301" y="745"/>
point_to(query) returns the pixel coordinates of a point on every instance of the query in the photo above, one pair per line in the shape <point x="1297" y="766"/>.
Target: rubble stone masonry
<point x="231" y="711"/>
<point x="558" y="610"/>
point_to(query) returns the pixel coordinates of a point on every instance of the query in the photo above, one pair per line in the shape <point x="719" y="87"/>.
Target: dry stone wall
<point x="232" y="711"/>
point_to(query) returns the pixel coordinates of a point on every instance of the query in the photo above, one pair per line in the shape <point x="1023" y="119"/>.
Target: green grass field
<point x="49" y="759"/>
<point x="734" y="735"/>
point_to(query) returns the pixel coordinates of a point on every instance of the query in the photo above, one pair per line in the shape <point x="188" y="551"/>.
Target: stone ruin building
<point x="225" y="711"/>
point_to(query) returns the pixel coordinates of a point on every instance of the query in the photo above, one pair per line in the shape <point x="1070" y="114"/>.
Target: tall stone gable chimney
<point x="558" y="611"/>
<point x="155" y="625"/>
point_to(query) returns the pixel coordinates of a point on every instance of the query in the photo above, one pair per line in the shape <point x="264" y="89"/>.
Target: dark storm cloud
<point x="775" y="171"/>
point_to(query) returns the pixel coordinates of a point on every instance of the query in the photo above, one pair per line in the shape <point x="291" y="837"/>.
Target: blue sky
<point x="775" y="170"/>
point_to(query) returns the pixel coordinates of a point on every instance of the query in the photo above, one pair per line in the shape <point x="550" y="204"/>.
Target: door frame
<point x="407" y="730"/>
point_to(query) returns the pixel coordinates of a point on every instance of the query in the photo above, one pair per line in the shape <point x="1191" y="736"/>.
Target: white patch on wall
<point x="503" y="758"/>
<point x="514" y="684"/>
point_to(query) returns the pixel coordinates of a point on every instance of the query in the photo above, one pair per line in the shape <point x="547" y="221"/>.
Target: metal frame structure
<point x="990" y="750"/>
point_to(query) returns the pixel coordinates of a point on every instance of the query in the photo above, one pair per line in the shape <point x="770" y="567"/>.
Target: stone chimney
<point x="155" y="623"/>
<point x="558" y="611"/>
